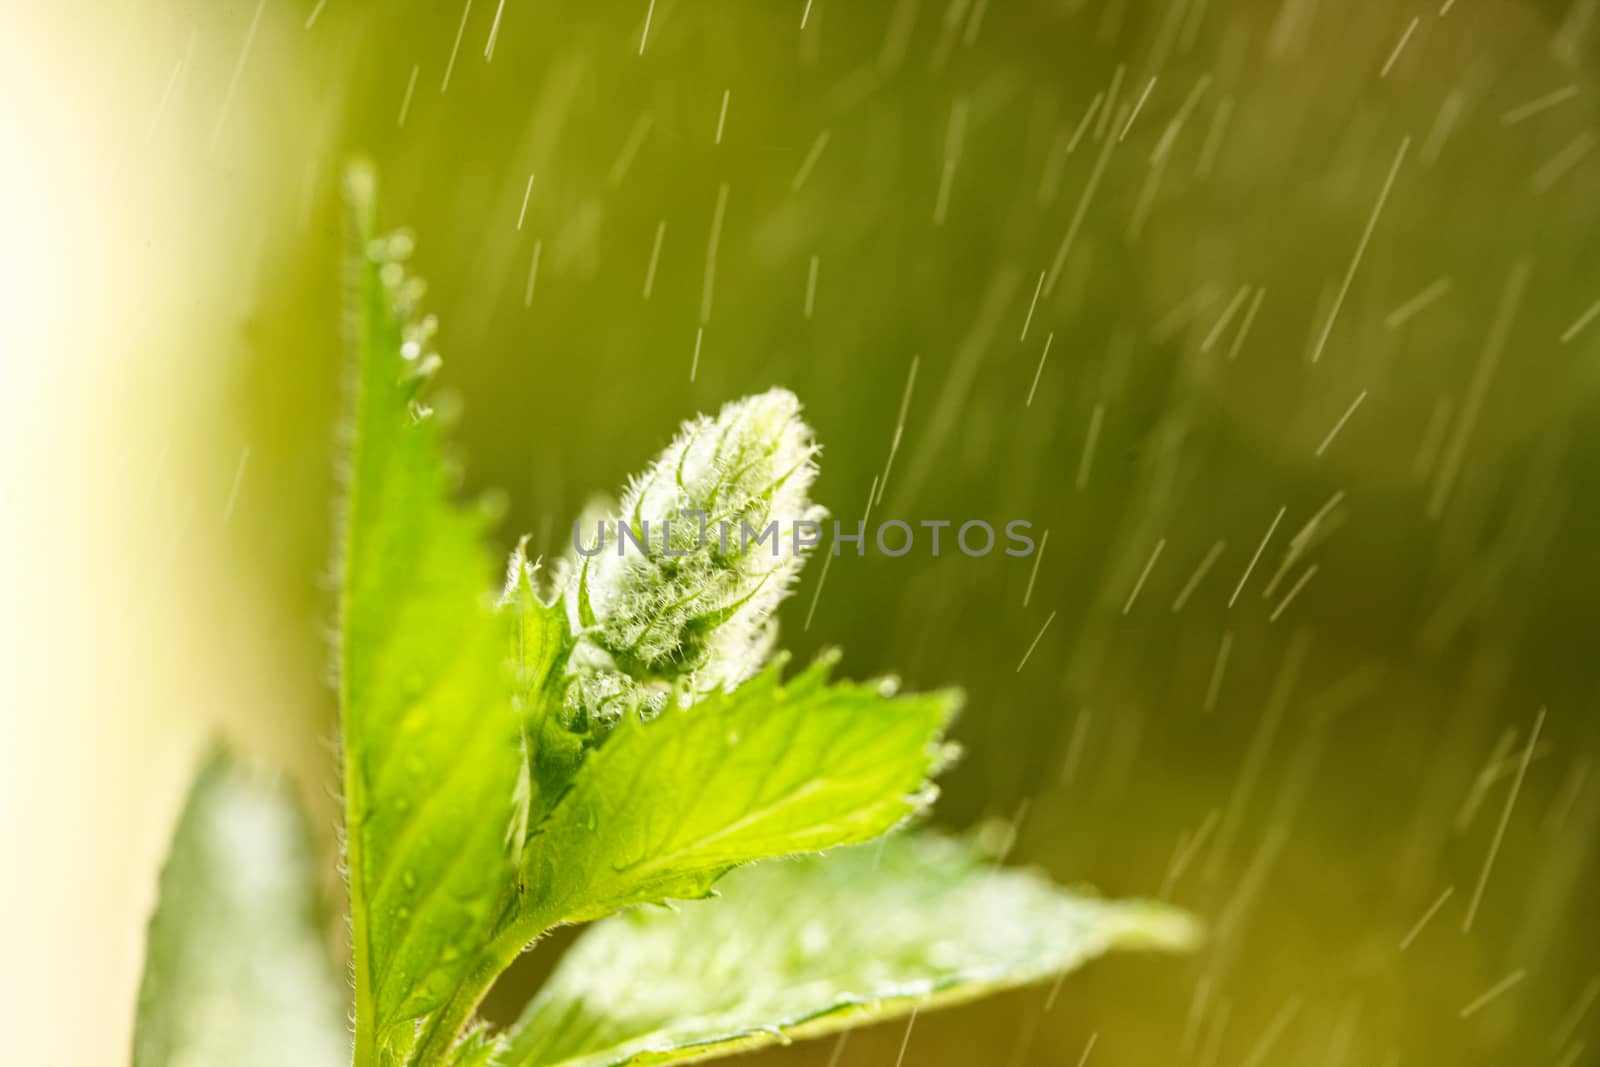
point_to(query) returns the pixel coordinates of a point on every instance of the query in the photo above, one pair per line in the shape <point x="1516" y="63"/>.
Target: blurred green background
<point x="905" y="204"/>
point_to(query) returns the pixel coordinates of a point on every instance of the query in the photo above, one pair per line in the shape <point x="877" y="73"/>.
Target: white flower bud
<point x="691" y="610"/>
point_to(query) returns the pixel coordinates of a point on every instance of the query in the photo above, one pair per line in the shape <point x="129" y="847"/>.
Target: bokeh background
<point x="1117" y="267"/>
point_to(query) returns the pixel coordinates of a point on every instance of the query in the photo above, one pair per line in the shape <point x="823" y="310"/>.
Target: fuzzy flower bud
<point x="677" y="592"/>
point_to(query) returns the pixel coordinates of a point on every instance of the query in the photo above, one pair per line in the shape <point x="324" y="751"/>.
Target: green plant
<point x="616" y="734"/>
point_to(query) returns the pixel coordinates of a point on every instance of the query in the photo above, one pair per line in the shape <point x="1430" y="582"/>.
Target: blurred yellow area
<point x="1173" y="280"/>
<point x="129" y="631"/>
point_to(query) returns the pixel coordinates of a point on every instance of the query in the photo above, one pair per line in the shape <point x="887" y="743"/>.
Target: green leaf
<point x="805" y="948"/>
<point x="540" y="647"/>
<point x="476" y="1048"/>
<point x="237" y="970"/>
<point x="435" y="772"/>
<point x="668" y="805"/>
